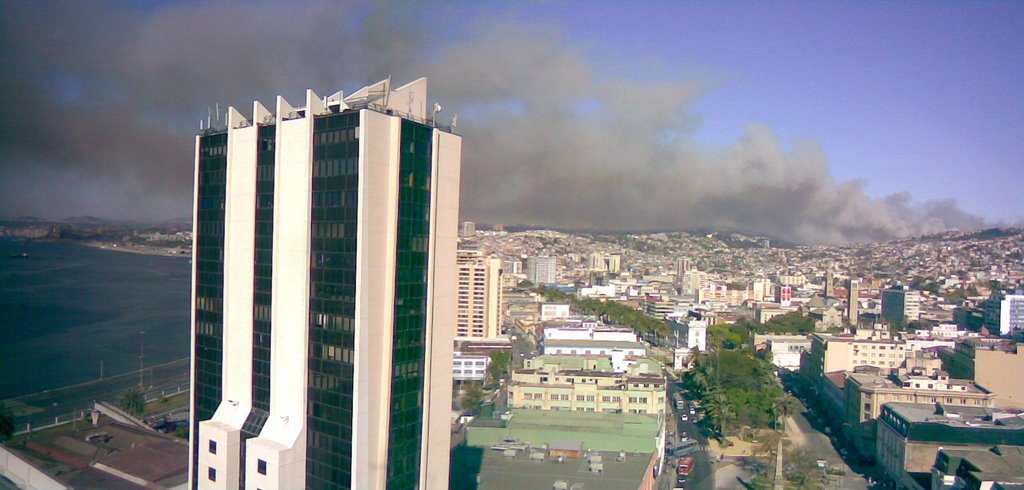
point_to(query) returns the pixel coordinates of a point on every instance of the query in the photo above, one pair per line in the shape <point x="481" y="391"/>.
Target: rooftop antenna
<point x="437" y="108"/>
<point x="455" y="121"/>
<point x="200" y="124"/>
<point x="218" y="114"/>
<point x="387" y="91"/>
<point x="209" y="116"/>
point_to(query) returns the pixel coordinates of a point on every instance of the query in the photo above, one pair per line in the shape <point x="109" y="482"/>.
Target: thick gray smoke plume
<point x="101" y="104"/>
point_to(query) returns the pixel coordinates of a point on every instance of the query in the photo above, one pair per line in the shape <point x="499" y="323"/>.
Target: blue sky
<point x="923" y="97"/>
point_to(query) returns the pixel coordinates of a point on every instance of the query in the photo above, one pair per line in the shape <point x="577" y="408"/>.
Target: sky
<point x="816" y="122"/>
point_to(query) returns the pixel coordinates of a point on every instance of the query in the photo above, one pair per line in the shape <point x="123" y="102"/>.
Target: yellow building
<point x="587" y="384"/>
<point x="479" y="301"/>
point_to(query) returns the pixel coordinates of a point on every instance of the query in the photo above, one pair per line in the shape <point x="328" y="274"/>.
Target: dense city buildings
<point x="325" y="294"/>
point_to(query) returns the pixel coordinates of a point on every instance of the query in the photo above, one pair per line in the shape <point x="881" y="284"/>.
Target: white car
<point x="684" y="417"/>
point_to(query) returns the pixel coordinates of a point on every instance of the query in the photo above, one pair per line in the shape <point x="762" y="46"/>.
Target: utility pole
<point x="142" y="358"/>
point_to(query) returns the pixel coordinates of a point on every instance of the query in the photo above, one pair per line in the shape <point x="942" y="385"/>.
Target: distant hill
<point x="89" y="220"/>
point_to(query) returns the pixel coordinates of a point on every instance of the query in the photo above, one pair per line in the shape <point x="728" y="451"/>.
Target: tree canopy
<point x="612" y="311"/>
<point x="736" y="387"/>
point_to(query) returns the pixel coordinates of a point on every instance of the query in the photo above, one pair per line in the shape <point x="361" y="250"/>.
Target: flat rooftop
<point x="593" y="344"/>
<point x="597" y="431"/>
<point x="494" y="471"/>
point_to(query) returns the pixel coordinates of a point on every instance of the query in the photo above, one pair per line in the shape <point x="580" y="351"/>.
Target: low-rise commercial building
<point x="786" y="349"/>
<point x="579" y="329"/>
<point x="911" y="434"/>
<point x="621" y="353"/>
<point x="867" y="392"/>
<point x="998" y="467"/>
<point x="553" y="311"/>
<point x="584" y="383"/>
<point x="469" y="367"/>
<point x="546" y="449"/>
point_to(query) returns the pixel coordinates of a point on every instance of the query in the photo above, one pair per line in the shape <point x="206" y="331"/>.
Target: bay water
<point x="67" y="307"/>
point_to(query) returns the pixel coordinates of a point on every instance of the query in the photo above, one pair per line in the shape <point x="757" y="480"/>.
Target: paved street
<point x="803" y="434"/>
<point x="702" y="476"/>
<point x="40" y="409"/>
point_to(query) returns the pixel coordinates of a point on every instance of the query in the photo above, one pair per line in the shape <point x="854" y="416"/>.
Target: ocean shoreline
<point x="135" y="249"/>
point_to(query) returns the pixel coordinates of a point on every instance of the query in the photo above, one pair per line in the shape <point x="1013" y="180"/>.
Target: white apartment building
<point x="572" y="330"/>
<point x="622" y="354"/>
<point x="1011" y="313"/>
<point x="542" y="270"/>
<point x="553" y="311"/>
<point x="470" y="367"/>
<point x="786" y="349"/>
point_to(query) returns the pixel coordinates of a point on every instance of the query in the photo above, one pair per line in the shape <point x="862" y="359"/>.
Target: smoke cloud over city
<point x="102" y="104"/>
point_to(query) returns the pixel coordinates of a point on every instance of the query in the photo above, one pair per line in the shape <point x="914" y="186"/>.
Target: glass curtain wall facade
<point x="209" y="278"/>
<point x="334" y="218"/>
<point x="407" y="372"/>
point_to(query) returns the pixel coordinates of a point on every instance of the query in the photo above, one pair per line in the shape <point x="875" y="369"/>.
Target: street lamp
<point x="142" y="357"/>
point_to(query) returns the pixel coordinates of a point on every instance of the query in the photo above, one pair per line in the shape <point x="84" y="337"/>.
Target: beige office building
<point x="833" y="353"/>
<point x="479" y="300"/>
<point x="866" y="393"/>
<point x="587" y="384"/>
<point x="995" y="364"/>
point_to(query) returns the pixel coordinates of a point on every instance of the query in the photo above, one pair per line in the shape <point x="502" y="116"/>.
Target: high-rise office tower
<point x="900" y="306"/>
<point x="852" y="312"/>
<point x="479" y="307"/>
<point x="541" y="270"/>
<point x="324" y="294"/>
<point x="683" y="265"/>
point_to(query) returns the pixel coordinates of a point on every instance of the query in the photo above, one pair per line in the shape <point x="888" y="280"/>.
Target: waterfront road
<point x="43" y="408"/>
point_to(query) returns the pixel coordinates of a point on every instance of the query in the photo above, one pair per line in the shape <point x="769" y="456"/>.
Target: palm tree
<point x="784" y="407"/>
<point x="6" y="422"/>
<point x="721" y="412"/>
<point x="701" y="375"/>
<point x="133" y="402"/>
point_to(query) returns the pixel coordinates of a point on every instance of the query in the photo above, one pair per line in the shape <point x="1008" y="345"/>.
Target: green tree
<point x="472" y="398"/>
<point x="6" y="422"/>
<point x="133" y="402"/>
<point x="784" y="407"/>
<point x="498" y="366"/>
